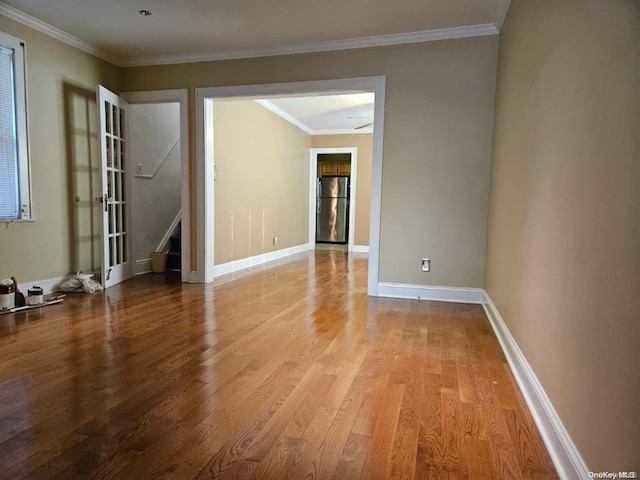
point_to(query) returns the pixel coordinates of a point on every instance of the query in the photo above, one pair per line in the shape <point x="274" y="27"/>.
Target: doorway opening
<point x="160" y="204"/>
<point x="206" y="162"/>
<point x="332" y="199"/>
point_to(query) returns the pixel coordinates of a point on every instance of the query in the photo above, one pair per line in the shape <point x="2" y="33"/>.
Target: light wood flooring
<point x="289" y="372"/>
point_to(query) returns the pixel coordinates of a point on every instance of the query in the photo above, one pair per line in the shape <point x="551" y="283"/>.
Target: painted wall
<point x="61" y="84"/>
<point x="155" y="147"/>
<point x="437" y="142"/>
<point x="261" y="191"/>
<point x="364" y="143"/>
<point x="563" y="263"/>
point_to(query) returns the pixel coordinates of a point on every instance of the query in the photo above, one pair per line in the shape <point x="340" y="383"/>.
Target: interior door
<point x="114" y="155"/>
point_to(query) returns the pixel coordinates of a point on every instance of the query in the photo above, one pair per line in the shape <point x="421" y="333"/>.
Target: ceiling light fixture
<point x="144" y="13"/>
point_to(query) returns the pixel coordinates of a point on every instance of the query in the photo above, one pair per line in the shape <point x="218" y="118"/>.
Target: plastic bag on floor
<point x="81" y="282"/>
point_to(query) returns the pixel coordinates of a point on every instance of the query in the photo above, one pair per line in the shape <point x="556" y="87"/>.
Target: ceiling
<point x="190" y="30"/>
<point x="326" y="114"/>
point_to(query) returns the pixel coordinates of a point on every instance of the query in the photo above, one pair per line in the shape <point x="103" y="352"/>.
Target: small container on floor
<point x="35" y="296"/>
<point x="159" y="262"/>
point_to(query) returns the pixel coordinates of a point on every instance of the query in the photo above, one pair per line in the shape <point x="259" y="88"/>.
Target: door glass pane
<point x="107" y="115"/>
<point x="116" y="121"/>
<point x="118" y="184"/>
<point x="109" y="152"/>
<point x="111" y="251"/>
<point x="123" y="190"/>
<point x="109" y="185"/>
<point x="116" y="153"/>
<point x="118" y="249"/>
<point x="125" y="253"/>
<point x="123" y="164"/>
<point x="110" y="215"/>
<point x="118" y="209"/>
<point x="121" y="129"/>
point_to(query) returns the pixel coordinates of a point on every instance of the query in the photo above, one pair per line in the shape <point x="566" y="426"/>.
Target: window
<point x="15" y="184"/>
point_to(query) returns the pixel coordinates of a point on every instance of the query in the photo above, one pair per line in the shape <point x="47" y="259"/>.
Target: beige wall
<point x="437" y="142"/>
<point x="261" y="191"/>
<point x="364" y="144"/>
<point x="563" y="263"/>
<point x="60" y="78"/>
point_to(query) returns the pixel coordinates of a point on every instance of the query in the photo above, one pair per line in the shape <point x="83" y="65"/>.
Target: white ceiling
<point x="326" y="114"/>
<point x="233" y="28"/>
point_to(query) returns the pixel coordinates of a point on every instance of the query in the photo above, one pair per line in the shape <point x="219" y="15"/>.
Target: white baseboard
<point x="50" y="285"/>
<point x="143" y="266"/>
<point x="427" y="292"/>
<point x="360" y="249"/>
<point x="564" y="453"/>
<point x="244" y="263"/>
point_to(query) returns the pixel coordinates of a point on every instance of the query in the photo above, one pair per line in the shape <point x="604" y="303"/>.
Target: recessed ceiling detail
<point x="200" y="30"/>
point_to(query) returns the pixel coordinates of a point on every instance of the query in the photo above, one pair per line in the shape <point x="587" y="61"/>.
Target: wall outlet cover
<point x="275" y="240"/>
<point x="426" y="264"/>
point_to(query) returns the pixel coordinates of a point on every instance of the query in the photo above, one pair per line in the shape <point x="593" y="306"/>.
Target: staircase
<point x="174" y="257"/>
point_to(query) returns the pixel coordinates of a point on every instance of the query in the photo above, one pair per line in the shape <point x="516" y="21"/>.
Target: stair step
<point x="174" y="261"/>
<point x="175" y="243"/>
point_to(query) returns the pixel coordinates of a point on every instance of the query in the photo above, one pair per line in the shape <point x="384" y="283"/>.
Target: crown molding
<point x="289" y="118"/>
<point x="501" y="12"/>
<point x="343" y="131"/>
<point x="306" y="128"/>
<point x="54" y="32"/>
<point x="347" y="44"/>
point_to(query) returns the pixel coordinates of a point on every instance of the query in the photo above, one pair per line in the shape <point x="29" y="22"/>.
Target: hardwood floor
<point x="290" y="372"/>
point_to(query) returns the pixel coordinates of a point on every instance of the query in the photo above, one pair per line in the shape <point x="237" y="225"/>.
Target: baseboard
<point x="143" y="266"/>
<point x="50" y="285"/>
<point x="427" y="292"/>
<point x="193" y="277"/>
<point x="360" y="249"/>
<point x="244" y="263"/>
<point x="562" y="450"/>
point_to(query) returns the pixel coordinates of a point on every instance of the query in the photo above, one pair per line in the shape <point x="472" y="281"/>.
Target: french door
<point x="114" y="155"/>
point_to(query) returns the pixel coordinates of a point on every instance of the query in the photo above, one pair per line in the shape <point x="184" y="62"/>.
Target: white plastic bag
<point x="81" y="282"/>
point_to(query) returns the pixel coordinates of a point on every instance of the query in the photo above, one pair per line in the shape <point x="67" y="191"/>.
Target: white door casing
<point x="313" y="174"/>
<point x="205" y="158"/>
<point x="181" y="97"/>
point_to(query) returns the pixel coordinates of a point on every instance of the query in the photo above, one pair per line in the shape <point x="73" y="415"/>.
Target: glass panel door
<point x="116" y="264"/>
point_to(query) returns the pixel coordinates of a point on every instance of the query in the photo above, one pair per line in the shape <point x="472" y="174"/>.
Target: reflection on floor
<point x="332" y="247"/>
<point x="288" y="372"/>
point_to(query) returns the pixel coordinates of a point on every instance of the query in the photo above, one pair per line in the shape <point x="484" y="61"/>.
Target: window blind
<point x="9" y="195"/>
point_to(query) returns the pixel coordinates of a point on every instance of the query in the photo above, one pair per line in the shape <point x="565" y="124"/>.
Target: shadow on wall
<point x="83" y="170"/>
<point x="83" y="180"/>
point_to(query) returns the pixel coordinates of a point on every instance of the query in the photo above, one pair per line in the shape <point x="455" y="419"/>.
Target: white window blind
<point x="9" y="184"/>
<point x="15" y="168"/>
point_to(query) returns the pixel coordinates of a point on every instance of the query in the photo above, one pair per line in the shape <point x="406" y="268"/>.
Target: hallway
<point x="287" y="372"/>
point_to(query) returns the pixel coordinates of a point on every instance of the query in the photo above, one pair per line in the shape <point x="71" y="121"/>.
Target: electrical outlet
<point x="275" y="240"/>
<point x="139" y="169"/>
<point x="426" y="264"/>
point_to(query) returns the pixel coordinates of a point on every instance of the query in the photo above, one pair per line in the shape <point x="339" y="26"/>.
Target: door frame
<point x="205" y="160"/>
<point x="180" y="96"/>
<point x="313" y="175"/>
